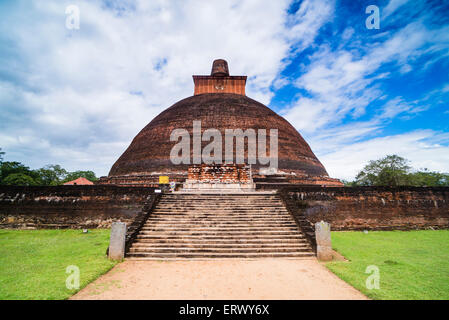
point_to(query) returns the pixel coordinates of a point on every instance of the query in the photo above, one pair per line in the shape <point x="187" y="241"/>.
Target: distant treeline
<point x="394" y="170"/>
<point x="17" y="174"/>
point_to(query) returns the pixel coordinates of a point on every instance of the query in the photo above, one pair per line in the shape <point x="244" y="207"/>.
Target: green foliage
<point x="389" y="171"/>
<point x="33" y="262"/>
<point x="394" y="170"/>
<point x="19" y="179"/>
<point x="425" y="178"/>
<point x="89" y="175"/>
<point x="348" y="183"/>
<point x="51" y="175"/>
<point x="1" y="155"/>
<point x="15" y="173"/>
<point x="412" y="264"/>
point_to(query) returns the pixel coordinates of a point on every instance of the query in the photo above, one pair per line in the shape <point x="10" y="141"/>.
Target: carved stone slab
<point x="117" y="241"/>
<point x="323" y="241"/>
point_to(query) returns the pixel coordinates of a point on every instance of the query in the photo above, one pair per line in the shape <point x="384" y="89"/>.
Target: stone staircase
<point x="204" y="226"/>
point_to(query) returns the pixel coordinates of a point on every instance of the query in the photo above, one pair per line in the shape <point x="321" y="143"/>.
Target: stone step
<point x="238" y="196"/>
<point x="220" y="201"/>
<point x="173" y="244"/>
<point x="214" y="217"/>
<point x="207" y="202"/>
<point x="215" y="226"/>
<point x="222" y="208"/>
<point x="159" y="256"/>
<point x="220" y="198"/>
<point x="213" y="212"/>
<point x="223" y="220"/>
<point x="219" y="224"/>
<point x="215" y="250"/>
<point x="220" y="232"/>
<point x="220" y="215"/>
<point x="223" y="241"/>
<point x="221" y="237"/>
<point x="216" y="229"/>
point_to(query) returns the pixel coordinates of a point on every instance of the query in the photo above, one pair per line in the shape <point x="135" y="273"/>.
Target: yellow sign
<point x="163" y="180"/>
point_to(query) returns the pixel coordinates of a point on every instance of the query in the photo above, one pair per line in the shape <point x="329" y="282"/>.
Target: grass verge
<point x="412" y="264"/>
<point x="33" y="262"/>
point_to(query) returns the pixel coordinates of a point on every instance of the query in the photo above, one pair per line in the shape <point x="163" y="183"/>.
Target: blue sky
<point x="78" y="97"/>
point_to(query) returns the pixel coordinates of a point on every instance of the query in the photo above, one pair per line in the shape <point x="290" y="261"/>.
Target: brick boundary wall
<point x="74" y="207"/>
<point x="370" y="208"/>
<point x="346" y="208"/>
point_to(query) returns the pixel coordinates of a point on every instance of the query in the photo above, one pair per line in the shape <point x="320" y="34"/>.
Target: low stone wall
<point x="371" y="208"/>
<point x="71" y="206"/>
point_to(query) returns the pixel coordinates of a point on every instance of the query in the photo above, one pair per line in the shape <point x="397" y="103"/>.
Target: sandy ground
<point x="220" y="279"/>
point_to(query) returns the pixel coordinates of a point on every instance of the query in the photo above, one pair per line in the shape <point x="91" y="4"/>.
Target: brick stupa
<point x="219" y="102"/>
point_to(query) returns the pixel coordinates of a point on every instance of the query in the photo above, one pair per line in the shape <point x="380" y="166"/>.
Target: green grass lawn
<point x="412" y="264"/>
<point x="33" y="262"/>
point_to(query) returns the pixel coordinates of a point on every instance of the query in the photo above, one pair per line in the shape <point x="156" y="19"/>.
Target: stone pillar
<point x="323" y="241"/>
<point x="117" y="241"/>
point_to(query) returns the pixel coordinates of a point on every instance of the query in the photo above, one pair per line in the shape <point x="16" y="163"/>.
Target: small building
<point x="80" y="181"/>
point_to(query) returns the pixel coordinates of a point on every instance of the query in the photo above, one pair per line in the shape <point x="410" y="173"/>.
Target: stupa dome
<point x="220" y="103"/>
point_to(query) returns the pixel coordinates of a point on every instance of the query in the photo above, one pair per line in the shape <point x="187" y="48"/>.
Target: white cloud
<point x="78" y="97"/>
<point x="343" y="82"/>
<point x="84" y="94"/>
<point x="424" y="148"/>
<point x="307" y="21"/>
<point x="392" y="6"/>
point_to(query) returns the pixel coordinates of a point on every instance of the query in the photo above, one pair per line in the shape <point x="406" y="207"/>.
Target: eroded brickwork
<point x="70" y="206"/>
<point x="219" y="102"/>
<point x="226" y="173"/>
<point x="149" y="152"/>
<point x="209" y="84"/>
<point x="346" y="208"/>
<point x="371" y="208"/>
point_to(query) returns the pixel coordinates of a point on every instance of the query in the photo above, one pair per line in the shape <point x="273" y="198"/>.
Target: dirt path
<point x="225" y="279"/>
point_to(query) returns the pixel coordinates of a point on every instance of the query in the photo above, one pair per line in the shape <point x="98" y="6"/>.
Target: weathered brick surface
<point x="226" y="173"/>
<point x="371" y="208"/>
<point x="209" y="84"/>
<point x="149" y="152"/>
<point x="140" y="180"/>
<point x="346" y="208"/>
<point x="70" y="206"/>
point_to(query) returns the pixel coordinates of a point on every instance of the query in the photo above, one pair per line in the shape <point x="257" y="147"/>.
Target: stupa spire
<point x="220" y="68"/>
<point x="219" y="80"/>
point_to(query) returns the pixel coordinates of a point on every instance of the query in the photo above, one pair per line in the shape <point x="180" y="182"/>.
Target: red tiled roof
<point x="79" y="181"/>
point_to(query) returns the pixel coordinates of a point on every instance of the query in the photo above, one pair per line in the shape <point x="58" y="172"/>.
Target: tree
<point x="11" y="167"/>
<point x="15" y="173"/>
<point x="391" y="170"/>
<point x="19" y="179"/>
<point x="51" y="175"/>
<point x="426" y="178"/>
<point x="89" y="175"/>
